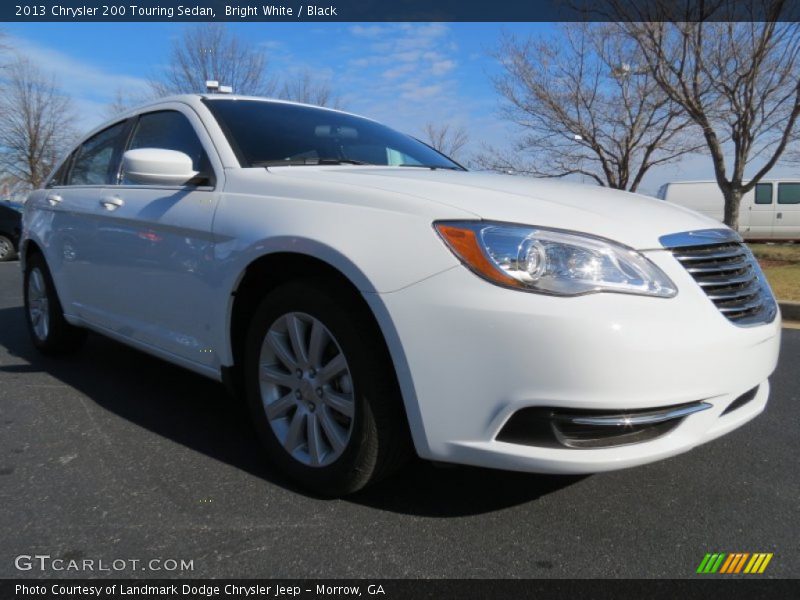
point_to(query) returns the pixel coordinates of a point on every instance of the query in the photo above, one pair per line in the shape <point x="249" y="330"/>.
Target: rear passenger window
<point x="763" y="193"/>
<point x="96" y="160"/>
<point x="789" y="193"/>
<point x="170" y="130"/>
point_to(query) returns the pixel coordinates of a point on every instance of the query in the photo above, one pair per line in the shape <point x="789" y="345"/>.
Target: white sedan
<point x="371" y="298"/>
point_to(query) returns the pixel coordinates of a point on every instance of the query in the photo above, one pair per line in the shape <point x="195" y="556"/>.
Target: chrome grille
<point x="727" y="272"/>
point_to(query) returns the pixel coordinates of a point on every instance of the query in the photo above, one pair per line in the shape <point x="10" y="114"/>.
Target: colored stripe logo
<point x="734" y="563"/>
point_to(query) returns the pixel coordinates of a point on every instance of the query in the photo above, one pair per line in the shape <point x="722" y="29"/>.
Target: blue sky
<point x="403" y="74"/>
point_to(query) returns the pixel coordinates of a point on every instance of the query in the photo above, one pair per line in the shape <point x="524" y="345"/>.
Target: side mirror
<point x="155" y="166"/>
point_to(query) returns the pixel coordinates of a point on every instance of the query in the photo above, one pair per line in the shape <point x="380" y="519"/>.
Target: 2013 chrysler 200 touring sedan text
<point x="370" y="297"/>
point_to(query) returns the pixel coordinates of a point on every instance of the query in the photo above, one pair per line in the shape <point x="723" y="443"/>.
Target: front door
<point x="160" y="243"/>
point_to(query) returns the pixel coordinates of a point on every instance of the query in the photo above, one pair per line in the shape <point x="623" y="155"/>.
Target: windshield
<point x="272" y="133"/>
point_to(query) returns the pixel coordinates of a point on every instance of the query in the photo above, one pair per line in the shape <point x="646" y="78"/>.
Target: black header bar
<point x="396" y="10"/>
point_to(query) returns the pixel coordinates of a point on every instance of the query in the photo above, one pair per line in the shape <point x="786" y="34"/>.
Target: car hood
<point x="632" y="219"/>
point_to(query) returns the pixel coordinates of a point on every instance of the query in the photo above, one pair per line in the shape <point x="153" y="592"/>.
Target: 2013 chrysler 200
<point x="371" y="297"/>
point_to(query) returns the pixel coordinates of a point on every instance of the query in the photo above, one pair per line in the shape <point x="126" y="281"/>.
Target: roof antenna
<point x="213" y="87"/>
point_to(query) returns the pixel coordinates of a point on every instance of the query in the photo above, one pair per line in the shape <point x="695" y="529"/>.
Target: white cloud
<point x="367" y="31"/>
<point x="399" y="71"/>
<point x="413" y="90"/>
<point x="442" y="66"/>
<point x="75" y="74"/>
<point x="407" y="56"/>
<point x="428" y="30"/>
<point x="405" y="75"/>
<point x="92" y="88"/>
<point x="272" y="45"/>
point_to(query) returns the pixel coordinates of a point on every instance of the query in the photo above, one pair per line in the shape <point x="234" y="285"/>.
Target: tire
<point x="7" y="250"/>
<point x="49" y="331"/>
<point x="329" y="414"/>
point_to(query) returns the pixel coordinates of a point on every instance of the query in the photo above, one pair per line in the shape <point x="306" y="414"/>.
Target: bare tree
<point x="4" y="48"/>
<point x="35" y="124"/>
<point x="446" y="138"/>
<point x="210" y="52"/>
<point x="584" y="108"/>
<point x="304" y="88"/>
<point x="124" y="100"/>
<point x="737" y="80"/>
<point x="119" y="104"/>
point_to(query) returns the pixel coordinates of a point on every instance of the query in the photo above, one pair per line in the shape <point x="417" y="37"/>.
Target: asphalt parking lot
<point x="112" y="454"/>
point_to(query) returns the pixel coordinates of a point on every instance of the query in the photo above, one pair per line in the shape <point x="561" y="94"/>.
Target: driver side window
<point x="170" y="130"/>
<point x="94" y="160"/>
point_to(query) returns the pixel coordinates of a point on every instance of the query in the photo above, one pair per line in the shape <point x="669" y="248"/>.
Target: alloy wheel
<point x="306" y="389"/>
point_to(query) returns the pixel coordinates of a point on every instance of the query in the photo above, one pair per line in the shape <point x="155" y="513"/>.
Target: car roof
<point x="196" y="101"/>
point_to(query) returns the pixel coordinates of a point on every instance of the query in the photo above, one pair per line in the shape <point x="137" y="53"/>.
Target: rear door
<point x="787" y="216"/>
<point x="159" y="246"/>
<point x="71" y="203"/>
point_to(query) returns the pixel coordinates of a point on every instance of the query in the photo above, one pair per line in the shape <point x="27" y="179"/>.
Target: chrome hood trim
<point x="701" y="237"/>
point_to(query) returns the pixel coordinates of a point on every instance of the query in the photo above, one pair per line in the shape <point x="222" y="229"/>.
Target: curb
<point x="790" y="311"/>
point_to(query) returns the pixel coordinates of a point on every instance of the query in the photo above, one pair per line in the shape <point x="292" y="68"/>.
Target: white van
<point x="771" y="211"/>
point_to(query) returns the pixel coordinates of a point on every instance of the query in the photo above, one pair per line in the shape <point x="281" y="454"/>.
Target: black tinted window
<point x="264" y="133"/>
<point x="95" y="162"/>
<point x="60" y="176"/>
<point x="789" y="193"/>
<point x="170" y="130"/>
<point x="763" y="193"/>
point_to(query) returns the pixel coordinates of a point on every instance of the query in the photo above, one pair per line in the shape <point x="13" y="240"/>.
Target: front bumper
<point x="470" y="354"/>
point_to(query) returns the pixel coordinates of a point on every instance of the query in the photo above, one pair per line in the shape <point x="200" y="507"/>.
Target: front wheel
<point x="48" y="329"/>
<point x="323" y="391"/>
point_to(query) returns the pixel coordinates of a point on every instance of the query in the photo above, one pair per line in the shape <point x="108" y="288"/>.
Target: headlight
<point x="551" y="261"/>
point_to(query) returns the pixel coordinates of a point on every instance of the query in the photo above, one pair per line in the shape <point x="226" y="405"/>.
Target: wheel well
<point x="31" y="248"/>
<point x="266" y="274"/>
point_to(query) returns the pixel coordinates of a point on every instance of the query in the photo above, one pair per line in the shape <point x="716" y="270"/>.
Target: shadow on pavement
<point x="198" y="413"/>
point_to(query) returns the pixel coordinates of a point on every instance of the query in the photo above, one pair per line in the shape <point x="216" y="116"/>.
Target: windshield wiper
<point x="432" y="167"/>
<point x="299" y="162"/>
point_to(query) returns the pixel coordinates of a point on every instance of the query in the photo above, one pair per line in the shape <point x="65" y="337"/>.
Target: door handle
<point x="111" y="202"/>
<point x="779" y="216"/>
<point x="54" y="199"/>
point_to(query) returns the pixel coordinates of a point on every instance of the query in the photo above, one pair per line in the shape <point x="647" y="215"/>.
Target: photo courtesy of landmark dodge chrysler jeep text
<point x="371" y="298"/>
